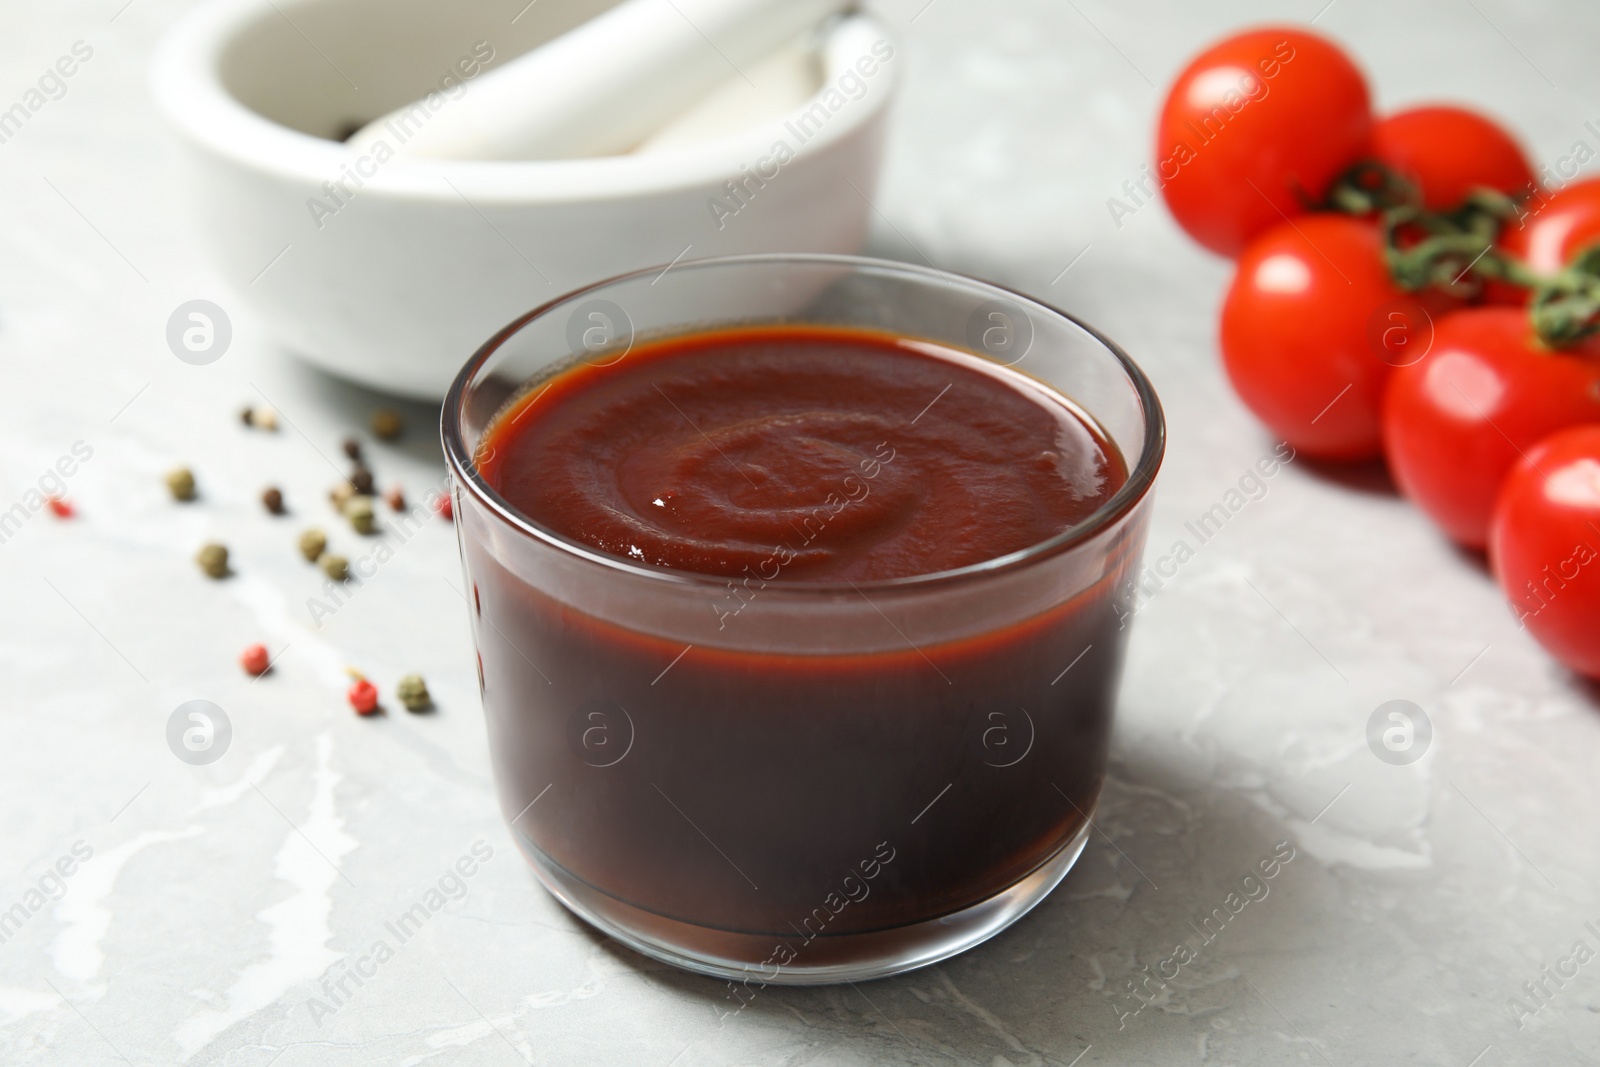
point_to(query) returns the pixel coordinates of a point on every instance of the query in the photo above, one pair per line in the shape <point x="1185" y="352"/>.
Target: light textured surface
<point x="217" y="897"/>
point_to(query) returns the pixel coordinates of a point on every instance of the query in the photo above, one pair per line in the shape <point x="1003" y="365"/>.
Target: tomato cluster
<point x="1406" y="289"/>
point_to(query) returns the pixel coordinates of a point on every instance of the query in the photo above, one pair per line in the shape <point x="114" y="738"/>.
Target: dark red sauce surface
<point x="856" y="456"/>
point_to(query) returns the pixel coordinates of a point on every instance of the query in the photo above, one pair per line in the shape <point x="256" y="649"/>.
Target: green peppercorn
<point x="335" y="567"/>
<point x="386" y="424"/>
<point x="312" y="544"/>
<point x="180" y="483"/>
<point x="213" y="559"/>
<point x="413" y="693"/>
<point x="363" y="519"/>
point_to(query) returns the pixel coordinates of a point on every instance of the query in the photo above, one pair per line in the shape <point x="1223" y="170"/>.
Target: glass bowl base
<point x="825" y="959"/>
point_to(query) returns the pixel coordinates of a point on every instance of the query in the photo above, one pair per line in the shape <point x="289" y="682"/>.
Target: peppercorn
<point x="213" y="559"/>
<point x="335" y="567"/>
<point x="312" y="544"/>
<point x="340" y="495"/>
<point x="386" y="424"/>
<point x="361" y="479"/>
<point x="363" y="696"/>
<point x="59" y="507"/>
<point x="265" y="418"/>
<point x="361" y="515"/>
<point x="247" y="415"/>
<point x="254" y="660"/>
<point x="395" y="497"/>
<point x="444" y="509"/>
<point x="413" y="693"/>
<point x="352" y="448"/>
<point x="272" y="500"/>
<point x="180" y="483"/>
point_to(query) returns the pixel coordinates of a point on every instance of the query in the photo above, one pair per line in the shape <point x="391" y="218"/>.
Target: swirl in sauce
<point x="802" y="453"/>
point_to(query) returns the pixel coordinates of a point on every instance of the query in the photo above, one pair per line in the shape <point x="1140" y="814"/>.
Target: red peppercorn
<point x="60" y="508"/>
<point x="255" y="660"/>
<point x="363" y="696"/>
<point x="444" y="508"/>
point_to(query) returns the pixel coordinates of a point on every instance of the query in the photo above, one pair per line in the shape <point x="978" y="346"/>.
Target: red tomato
<point x="1545" y="545"/>
<point x="1448" y="151"/>
<point x="1553" y="229"/>
<point x="1298" y="336"/>
<point x="1254" y="129"/>
<point x="1455" y="422"/>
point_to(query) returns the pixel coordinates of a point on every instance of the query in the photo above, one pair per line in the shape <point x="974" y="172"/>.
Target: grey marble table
<point x="164" y="913"/>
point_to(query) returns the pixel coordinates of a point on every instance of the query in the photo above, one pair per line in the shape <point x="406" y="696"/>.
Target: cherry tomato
<point x="1448" y="151"/>
<point x="1298" y="337"/>
<point x="1456" y="421"/>
<point x="1552" y="229"/>
<point x="1545" y="545"/>
<point x="1255" y="129"/>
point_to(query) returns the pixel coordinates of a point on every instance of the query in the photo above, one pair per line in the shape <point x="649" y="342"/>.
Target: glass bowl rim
<point x="1140" y="479"/>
